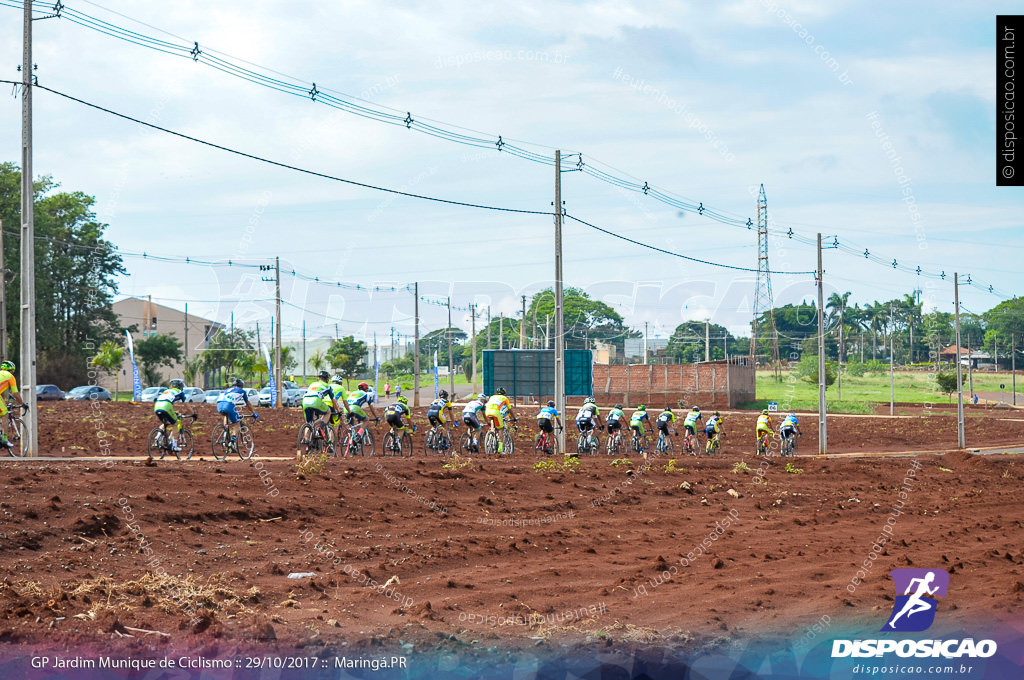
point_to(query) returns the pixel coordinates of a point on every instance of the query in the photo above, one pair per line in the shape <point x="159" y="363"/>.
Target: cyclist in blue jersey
<point x="228" y="403"/>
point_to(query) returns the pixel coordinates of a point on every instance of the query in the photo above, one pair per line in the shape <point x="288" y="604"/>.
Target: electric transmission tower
<point x="763" y="290"/>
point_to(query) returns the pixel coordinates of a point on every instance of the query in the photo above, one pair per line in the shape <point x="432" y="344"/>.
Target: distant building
<point x="151" y="318"/>
<point x="634" y="347"/>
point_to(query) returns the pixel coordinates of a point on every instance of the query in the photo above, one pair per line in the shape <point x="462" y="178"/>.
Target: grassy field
<point x="860" y="394"/>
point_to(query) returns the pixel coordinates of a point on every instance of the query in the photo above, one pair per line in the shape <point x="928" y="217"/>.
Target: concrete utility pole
<point x="842" y="353"/>
<point x="1013" y="366"/>
<point x="3" y="296"/>
<point x="303" y="351"/>
<point x="522" y="327"/>
<point x="416" y="346"/>
<point x="822" y="426"/>
<point x="970" y="369"/>
<point x="559" y="320"/>
<point x="645" y="342"/>
<point x="186" y="332"/>
<point x="959" y="369"/>
<point x="707" y="339"/>
<point x="501" y="330"/>
<point x="30" y="438"/>
<point x="451" y="371"/>
<point x="892" y="360"/>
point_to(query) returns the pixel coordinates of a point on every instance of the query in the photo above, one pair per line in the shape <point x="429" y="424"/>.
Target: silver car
<point x="212" y="395"/>
<point x="151" y="393"/>
<point x="194" y="395"/>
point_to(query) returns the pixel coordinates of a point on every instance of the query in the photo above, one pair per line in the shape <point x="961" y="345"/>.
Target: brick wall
<point x="719" y="384"/>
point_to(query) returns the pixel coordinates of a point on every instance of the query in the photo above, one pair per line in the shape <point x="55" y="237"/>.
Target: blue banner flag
<point x="136" y="383"/>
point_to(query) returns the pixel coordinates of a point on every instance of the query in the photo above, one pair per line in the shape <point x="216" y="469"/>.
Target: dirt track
<point x="491" y="555"/>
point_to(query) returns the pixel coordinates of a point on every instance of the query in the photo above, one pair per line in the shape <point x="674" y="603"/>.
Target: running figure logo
<point x="914" y="609"/>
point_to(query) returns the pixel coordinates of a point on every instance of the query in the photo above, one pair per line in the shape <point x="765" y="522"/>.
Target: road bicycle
<point x="394" y="444"/>
<point x="160" y="441"/>
<point x="243" y="444"/>
<point x="358" y="440"/>
<point x="788" y="447"/>
<point x="588" y="443"/>
<point x="316" y="438"/>
<point x="764" y="444"/>
<point x="438" y="440"/>
<point x="614" y="444"/>
<point x="664" y="444"/>
<point x="547" y="444"/>
<point x="508" y="442"/>
<point x="15" y="428"/>
<point x="714" y="444"/>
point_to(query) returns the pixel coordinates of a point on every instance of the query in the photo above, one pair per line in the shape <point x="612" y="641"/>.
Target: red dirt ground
<point x="491" y="554"/>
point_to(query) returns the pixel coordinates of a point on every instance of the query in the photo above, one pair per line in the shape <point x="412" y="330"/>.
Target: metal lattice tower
<point x="763" y="288"/>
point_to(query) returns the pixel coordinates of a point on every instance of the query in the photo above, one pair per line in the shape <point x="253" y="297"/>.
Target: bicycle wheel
<point x="341" y="437"/>
<point x="219" y="442"/>
<point x="186" y="444"/>
<point x="305" y="442"/>
<point x="508" y="444"/>
<point x="405" y="445"/>
<point x="14" y="436"/>
<point x="430" y="444"/>
<point x="155" y="443"/>
<point x="327" y="444"/>
<point x="443" y="442"/>
<point x="540" y="444"/>
<point x="491" y="442"/>
<point x="367" y="442"/>
<point x="612" y="445"/>
<point x="581" y="445"/>
<point x="245" y="442"/>
<point x="714" y="447"/>
<point x="387" y="445"/>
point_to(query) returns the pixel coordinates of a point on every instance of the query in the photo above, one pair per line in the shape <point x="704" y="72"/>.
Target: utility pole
<point x="522" y="327"/>
<point x="559" y="320"/>
<point x="842" y="351"/>
<point x="707" y="339"/>
<point x="547" y="330"/>
<point x="533" y="339"/>
<point x="892" y="379"/>
<point x="472" y="363"/>
<point x="1013" y="365"/>
<point x="822" y="431"/>
<point x="488" y="326"/>
<point x="391" y="352"/>
<point x="451" y="371"/>
<point x="303" y="351"/>
<point x="645" y="343"/>
<point x="186" y="332"/>
<point x="416" y="346"/>
<point x="959" y="369"/>
<point x="3" y="296"/>
<point x="501" y="330"/>
<point x="28" y="263"/>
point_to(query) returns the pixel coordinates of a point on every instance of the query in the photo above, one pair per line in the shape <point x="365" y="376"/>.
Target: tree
<point x="586" y="320"/>
<point x="347" y="356"/>
<point x="1005" y="324"/>
<point x="946" y="383"/>
<point x="108" y="358"/>
<point x="438" y="340"/>
<point x="808" y="370"/>
<point x="156" y="351"/>
<point x="224" y="351"/>
<point x="76" y="270"/>
<point x="687" y="342"/>
<point x="318" y="360"/>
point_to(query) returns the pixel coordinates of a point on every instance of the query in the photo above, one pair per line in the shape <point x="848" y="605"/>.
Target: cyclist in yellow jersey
<point x="498" y="409"/>
<point x="764" y="425"/>
<point x="8" y="384"/>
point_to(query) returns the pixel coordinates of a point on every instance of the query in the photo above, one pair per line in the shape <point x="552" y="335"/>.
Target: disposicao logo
<point x="913" y="611"/>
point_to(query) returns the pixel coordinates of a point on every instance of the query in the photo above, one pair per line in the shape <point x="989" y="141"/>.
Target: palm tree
<point x="318" y="360"/>
<point x="108" y="358"/>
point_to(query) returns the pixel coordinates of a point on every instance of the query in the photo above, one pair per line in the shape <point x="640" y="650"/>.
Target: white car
<point x="212" y="395"/>
<point x="264" y="398"/>
<point x="194" y="395"/>
<point x="151" y="393"/>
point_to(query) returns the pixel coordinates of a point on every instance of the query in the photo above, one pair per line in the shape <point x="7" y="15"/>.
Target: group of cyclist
<point x="326" y="401"/>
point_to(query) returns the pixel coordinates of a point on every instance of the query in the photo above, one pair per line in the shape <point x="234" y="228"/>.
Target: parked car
<point x="85" y="392"/>
<point x="293" y="397"/>
<point x="212" y="396"/>
<point x="194" y="395"/>
<point x="49" y="393"/>
<point x="151" y="393"/>
<point x="253" y="394"/>
<point x="264" y="398"/>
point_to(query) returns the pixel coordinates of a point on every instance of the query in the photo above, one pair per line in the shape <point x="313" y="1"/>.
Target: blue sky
<point x="738" y="94"/>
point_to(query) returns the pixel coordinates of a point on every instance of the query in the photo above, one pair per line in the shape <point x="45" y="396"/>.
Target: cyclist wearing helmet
<point x="340" y="404"/>
<point x="790" y="426"/>
<point x="588" y="416"/>
<point x="497" y="410"/>
<point x="227" y="405"/>
<point x="548" y="418"/>
<point x="395" y="414"/>
<point x="7" y="383"/>
<point x="357" y="399"/>
<point x="318" y="400"/>
<point x="636" y="421"/>
<point x="435" y="412"/>
<point x="471" y="415"/>
<point x="712" y="429"/>
<point x="764" y="424"/>
<point x="164" y="408"/>
<point x="615" y="418"/>
<point x="690" y="422"/>
<point x="665" y="419"/>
